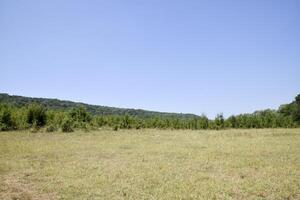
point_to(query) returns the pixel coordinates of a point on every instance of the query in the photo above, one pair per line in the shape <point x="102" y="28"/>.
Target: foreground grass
<point x="151" y="164"/>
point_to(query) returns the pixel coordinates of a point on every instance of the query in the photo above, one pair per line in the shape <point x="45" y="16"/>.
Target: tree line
<point x="57" y="104"/>
<point x="34" y="116"/>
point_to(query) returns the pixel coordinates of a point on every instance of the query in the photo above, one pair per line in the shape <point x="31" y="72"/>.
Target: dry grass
<point x="151" y="164"/>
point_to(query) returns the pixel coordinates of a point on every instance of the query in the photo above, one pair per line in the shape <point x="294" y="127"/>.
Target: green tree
<point x="232" y="121"/>
<point x="296" y="112"/>
<point x="219" y="121"/>
<point x="203" y="122"/>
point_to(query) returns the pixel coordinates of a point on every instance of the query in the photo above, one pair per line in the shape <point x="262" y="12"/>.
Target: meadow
<point x="151" y="164"/>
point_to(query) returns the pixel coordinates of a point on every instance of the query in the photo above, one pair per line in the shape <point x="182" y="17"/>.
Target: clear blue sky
<point x="181" y="56"/>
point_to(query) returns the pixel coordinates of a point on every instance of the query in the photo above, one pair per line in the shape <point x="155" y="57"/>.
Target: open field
<point x="151" y="164"/>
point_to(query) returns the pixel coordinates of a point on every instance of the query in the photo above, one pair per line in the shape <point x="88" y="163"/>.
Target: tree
<point x="232" y="121"/>
<point x="296" y="112"/>
<point x="219" y="121"/>
<point x="203" y="122"/>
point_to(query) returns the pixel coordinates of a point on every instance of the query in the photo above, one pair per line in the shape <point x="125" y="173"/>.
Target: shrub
<point x="36" y="114"/>
<point x="126" y="122"/>
<point x="85" y="127"/>
<point x="116" y="128"/>
<point x="80" y="115"/>
<point x="67" y="125"/>
<point x="6" y="121"/>
<point x="98" y="121"/>
<point x="138" y="126"/>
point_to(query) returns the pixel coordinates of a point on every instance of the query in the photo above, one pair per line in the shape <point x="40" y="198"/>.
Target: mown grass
<point x="151" y="164"/>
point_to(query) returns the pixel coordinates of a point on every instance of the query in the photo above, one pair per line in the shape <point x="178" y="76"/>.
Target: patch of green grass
<point x="151" y="164"/>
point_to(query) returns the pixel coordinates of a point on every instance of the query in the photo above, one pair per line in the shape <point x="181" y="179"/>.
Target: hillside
<point x="93" y="109"/>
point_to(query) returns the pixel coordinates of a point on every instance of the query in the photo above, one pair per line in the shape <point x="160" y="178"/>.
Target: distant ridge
<point x="93" y="109"/>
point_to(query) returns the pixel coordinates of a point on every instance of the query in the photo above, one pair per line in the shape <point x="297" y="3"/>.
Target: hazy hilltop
<point x="93" y="109"/>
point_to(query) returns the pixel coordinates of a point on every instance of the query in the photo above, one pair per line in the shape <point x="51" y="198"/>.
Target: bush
<point x="36" y="114"/>
<point x="98" y="121"/>
<point x="85" y="127"/>
<point x="126" y="122"/>
<point x="80" y="115"/>
<point x="67" y="126"/>
<point x="6" y="121"/>
<point x="116" y="128"/>
<point x="138" y="126"/>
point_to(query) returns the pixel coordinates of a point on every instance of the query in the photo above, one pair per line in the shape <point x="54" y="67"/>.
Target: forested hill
<point x="93" y="109"/>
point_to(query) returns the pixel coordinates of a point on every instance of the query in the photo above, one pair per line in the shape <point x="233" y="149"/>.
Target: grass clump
<point x="51" y="128"/>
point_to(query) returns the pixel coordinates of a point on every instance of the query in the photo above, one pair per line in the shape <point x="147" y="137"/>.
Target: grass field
<point x="151" y="164"/>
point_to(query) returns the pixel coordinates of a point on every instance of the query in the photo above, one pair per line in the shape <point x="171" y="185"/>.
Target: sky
<point x="195" y="56"/>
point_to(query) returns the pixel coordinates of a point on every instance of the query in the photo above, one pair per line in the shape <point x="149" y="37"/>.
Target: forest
<point x="21" y="113"/>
